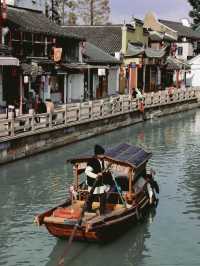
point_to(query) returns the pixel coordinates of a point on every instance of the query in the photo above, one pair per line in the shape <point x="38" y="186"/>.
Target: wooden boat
<point x="133" y="194"/>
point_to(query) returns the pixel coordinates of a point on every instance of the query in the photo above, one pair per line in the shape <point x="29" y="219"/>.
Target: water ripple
<point x="36" y="184"/>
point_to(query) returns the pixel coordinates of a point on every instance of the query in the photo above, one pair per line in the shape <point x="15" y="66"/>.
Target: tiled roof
<point x="176" y="64"/>
<point x="149" y="52"/>
<point x="182" y="31"/>
<point x="107" y="38"/>
<point x="34" y="21"/>
<point x="93" y="54"/>
<point x="154" y="53"/>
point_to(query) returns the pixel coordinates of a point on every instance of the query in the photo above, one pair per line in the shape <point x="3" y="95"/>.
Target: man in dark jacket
<point x="94" y="171"/>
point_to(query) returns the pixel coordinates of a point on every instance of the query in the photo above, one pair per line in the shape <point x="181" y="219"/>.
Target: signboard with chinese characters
<point x="101" y="72"/>
<point x="57" y="54"/>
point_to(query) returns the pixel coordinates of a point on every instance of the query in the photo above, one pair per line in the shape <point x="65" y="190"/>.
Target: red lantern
<point x="4" y="10"/>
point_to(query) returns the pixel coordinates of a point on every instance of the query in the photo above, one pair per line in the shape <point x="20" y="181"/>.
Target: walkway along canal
<point x="168" y="237"/>
<point x="30" y="134"/>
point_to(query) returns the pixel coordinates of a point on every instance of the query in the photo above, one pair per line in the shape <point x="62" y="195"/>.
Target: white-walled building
<point x="193" y="77"/>
<point x="188" y="42"/>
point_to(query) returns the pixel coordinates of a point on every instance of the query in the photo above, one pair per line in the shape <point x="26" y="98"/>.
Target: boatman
<point x="94" y="171"/>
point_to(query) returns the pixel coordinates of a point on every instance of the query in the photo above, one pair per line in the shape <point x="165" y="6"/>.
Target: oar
<point x="79" y="222"/>
<point x="119" y="192"/>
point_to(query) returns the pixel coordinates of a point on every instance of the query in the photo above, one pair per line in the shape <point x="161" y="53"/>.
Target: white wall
<point x="188" y="50"/>
<point x="193" y="78"/>
<point x="75" y="87"/>
<point x="113" y="81"/>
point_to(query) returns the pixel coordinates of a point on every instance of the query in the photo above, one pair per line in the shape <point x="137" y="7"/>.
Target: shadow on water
<point x="128" y="249"/>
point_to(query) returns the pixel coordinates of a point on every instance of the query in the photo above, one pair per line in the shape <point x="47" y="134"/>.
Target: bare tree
<point x="93" y="12"/>
<point x="60" y="11"/>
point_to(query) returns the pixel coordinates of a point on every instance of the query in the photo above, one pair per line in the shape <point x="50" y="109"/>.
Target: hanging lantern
<point x="26" y="79"/>
<point x="4" y="10"/>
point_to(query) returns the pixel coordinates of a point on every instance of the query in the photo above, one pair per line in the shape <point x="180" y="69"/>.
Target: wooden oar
<point x="79" y="222"/>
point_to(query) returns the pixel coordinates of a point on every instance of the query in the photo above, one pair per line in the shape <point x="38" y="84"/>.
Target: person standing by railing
<point x="140" y="98"/>
<point x="50" y="108"/>
<point x="41" y="109"/>
<point x="134" y="93"/>
<point x="170" y="92"/>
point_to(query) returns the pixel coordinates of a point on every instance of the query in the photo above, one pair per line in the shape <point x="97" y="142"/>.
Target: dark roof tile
<point x="107" y="38"/>
<point x="34" y="21"/>
<point x="182" y="30"/>
<point x="96" y="55"/>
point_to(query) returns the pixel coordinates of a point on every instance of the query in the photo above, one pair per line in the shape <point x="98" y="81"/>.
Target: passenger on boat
<point x="94" y="170"/>
<point x="140" y="183"/>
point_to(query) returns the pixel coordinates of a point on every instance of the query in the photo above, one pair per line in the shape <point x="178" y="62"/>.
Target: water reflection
<point x="128" y="250"/>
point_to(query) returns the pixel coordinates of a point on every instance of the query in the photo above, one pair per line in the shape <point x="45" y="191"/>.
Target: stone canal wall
<point x="23" y="136"/>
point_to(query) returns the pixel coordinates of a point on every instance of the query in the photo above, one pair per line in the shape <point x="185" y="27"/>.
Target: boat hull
<point x="103" y="231"/>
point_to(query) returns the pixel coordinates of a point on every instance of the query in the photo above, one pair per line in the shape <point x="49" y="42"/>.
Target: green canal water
<point x="169" y="237"/>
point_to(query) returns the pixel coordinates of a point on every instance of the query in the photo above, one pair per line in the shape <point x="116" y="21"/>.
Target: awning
<point x="9" y="61"/>
<point x="134" y="50"/>
<point x="176" y="64"/>
<point x="154" y="53"/>
<point x="155" y="36"/>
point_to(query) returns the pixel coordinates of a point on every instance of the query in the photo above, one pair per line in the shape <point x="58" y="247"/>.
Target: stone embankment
<point x="30" y="134"/>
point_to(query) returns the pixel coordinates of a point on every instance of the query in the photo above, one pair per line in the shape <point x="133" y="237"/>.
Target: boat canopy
<point x="128" y="154"/>
<point x="123" y="154"/>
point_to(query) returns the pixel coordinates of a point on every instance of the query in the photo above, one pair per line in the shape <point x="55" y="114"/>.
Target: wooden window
<point x="180" y="50"/>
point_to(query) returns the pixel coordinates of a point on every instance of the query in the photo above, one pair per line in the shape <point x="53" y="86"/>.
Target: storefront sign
<point x="57" y="54"/>
<point x="26" y="79"/>
<point x="101" y="72"/>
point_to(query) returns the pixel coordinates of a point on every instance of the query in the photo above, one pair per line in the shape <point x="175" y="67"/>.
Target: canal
<point x="168" y="237"/>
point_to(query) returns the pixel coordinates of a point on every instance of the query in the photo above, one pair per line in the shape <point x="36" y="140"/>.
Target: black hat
<point x="98" y="149"/>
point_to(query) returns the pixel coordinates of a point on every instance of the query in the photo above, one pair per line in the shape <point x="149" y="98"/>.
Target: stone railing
<point x="76" y="113"/>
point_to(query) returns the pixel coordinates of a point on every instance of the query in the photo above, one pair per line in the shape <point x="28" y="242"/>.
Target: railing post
<point x="65" y="114"/>
<point x="101" y="109"/>
<point x="12" y="127"/>
<point x="78" y="112"/>
<point x="50" y="120"/>
<point x="121" y="104"/>
<point x="33" y="122"/>
<point x="90" y="109"/>
<point x="130" y="104"/>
